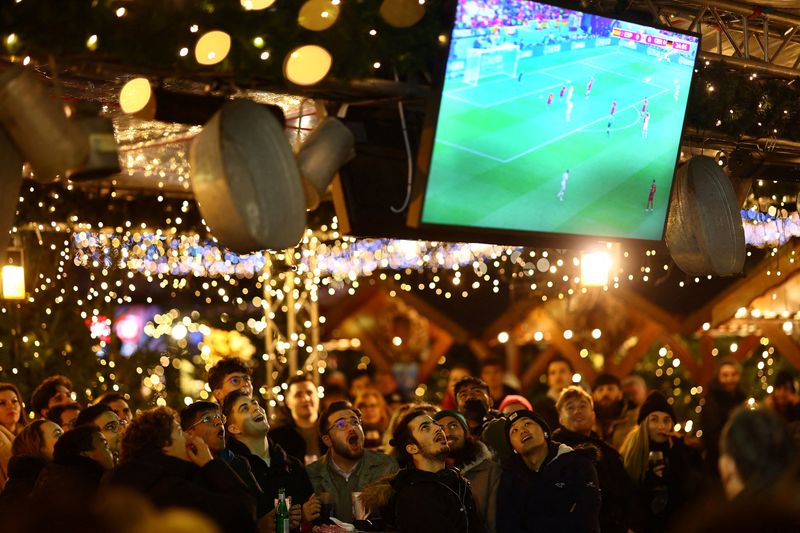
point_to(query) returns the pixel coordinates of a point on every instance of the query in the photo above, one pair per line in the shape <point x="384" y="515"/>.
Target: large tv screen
<point x="557" y="121"/>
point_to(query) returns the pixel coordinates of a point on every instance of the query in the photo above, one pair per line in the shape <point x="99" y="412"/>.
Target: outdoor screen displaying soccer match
<point x="557" y="121"/>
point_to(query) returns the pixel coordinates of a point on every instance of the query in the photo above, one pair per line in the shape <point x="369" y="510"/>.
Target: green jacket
<point x="325" y="478"/>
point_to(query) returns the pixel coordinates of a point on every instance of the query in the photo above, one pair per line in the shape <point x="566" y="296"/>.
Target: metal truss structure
<point x="753" y="36"/>
<point x="291" y="318"/>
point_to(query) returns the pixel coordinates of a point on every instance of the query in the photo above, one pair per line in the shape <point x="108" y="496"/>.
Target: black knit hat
<point x="655" y="402"/>
<point x="524" y="413"/>
<point x="606" y="379"/>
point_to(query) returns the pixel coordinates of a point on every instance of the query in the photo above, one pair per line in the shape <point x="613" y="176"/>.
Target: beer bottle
<point x="282" y="513"/>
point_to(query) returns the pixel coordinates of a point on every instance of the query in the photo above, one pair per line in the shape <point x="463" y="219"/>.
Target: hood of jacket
<point x="484" y="454"/>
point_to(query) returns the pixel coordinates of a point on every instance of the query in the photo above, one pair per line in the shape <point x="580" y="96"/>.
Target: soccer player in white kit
<point x="645" y="124"/>
<point x="564" y="179"/>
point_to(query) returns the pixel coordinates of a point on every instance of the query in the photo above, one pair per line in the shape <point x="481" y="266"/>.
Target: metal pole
<point x="291" y="312"/>
<point x="269" y="332"/>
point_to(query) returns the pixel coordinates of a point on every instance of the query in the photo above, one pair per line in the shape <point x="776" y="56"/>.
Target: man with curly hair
<point x="173" y="470"/>
<point x="53" y="391"/>
<point x="227" y="375"/>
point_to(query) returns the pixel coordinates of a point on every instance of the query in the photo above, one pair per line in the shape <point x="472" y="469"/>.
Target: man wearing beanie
<point x="545" y="486"/>
<point x="473" y="458"/>
<point x="616" y="416"/>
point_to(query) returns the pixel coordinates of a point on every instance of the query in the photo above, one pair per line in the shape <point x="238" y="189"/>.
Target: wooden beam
<point x="536" y="368"/>
<point x="786" y="345"/>
<point x="565" y="347"/>
<point x="746" y="347"/>
<point x="510" y="318"/>
<point x="688" y="361"/>
<point x="442" y="340"/>
<point x="374" y="352"/>
<point x="458" y="333"/>
<point x="647" y="336"/>
<point x="740" y="294"/>
<point x="647" y="309"/>
<point x="708" y="366"/>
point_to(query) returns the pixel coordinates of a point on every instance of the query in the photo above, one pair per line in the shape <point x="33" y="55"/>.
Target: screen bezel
<point x="513" y="236"/>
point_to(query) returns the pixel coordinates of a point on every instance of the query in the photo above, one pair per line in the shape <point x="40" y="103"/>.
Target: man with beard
<point x="616" y="417"/>
<point x="347" y="467"/>
<point x="273" y="469"/>
<point x="475" y="404"/>
<point x="722" y="398"/>
<point x="429" y="496"/>
<point x="204" y="420"/>
<point x="546" y="486"/>
<point x="474" y="459"/>
<point x="576" y="410"/>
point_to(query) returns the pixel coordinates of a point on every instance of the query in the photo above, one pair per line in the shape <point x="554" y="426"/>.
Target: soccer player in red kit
<point x="644" y="106"/>
<point x="589" y="87"/>
<point x="651" y="196"/>
<point x="549" y="99"/>
<point x="563" y="89"/>
<point x="613" y="107"/>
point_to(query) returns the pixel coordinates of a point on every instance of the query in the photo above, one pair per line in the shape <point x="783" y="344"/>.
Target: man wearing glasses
<point x="247" y="425"/>
<point x="109" y="423"/>
<point x="228" y="375"/>
<point x="346" y="468"/>
<point x="205" y="421"/>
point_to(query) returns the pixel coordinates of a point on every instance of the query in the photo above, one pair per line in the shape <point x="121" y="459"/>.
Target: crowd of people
<point x="577" y="459"/>
<point x="495" y="13"/>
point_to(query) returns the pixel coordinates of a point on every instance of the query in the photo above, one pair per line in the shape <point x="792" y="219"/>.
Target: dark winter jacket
<point x="214" y="489"/>
<point x="23" y="470"/>
<point x="616" y="487"/>
<point x="292" y="442"/>
<point x="241" y="468"/>
<point x="718" y="407"/>
<point x="426" y="502"/>
<point x="76" y="478"/>
<point x="661" y="500"/>
<point x="563" y="496"/>
<point x="284" y="472"/>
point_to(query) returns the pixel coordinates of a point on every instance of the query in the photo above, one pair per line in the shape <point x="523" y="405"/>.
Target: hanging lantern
<point x="13" y="275"/>
<point x="246" y="181"/>
<point x="39" y="127"/>
<point x="704" y="226"/>
<point x="10" y="183"/>
<point x="328" y="147"/>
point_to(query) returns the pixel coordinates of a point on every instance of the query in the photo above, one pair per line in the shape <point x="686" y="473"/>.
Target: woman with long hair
<point x="374" y="416"/>
<point x="31" y="451"/>
<point x="663" y="469"/>
<point x="12" y="420"/>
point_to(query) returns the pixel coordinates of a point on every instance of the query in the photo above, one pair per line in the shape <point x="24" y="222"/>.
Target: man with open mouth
<point x="248" y="427"/>
<point x="347" y="467"/>
<point x="545" y="486"/>
<point x="430" y="497"/>
<point x="205" y="421"/>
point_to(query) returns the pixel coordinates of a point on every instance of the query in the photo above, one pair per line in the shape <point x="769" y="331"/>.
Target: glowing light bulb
<point x="212" y="47"/>
<point x="307" y="65"/>
<point x="135" y="95"/>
